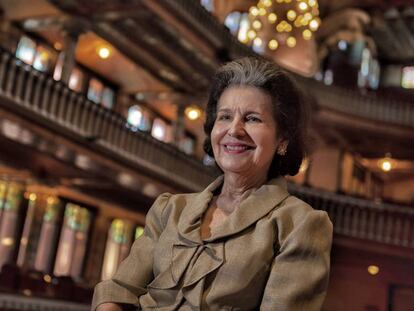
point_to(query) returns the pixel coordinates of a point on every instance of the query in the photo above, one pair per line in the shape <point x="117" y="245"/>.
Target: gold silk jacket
<point x="272" y="253"/>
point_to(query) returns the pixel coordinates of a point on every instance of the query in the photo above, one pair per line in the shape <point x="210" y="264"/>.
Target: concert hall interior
<point x="102" y="105"/>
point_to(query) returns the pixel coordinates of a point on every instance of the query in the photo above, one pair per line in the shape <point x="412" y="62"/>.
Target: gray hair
<point x="249" y="71"/>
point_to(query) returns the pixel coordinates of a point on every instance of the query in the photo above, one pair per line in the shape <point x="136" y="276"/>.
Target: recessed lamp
<point x="385" y="163"/>
<point x="192" y="112"/>
<point x="104" y="52"/>
<point x="373" y="269"/>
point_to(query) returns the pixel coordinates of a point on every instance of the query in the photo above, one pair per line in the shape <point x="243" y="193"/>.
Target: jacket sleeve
<point x="299" y="275"/>
<point x="135" y="272"/>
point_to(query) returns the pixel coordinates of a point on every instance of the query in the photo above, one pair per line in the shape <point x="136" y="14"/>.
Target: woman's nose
<point x="236" y="128"/>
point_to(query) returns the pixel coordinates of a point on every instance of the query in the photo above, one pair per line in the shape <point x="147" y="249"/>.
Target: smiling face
<point x="244" y="135"/>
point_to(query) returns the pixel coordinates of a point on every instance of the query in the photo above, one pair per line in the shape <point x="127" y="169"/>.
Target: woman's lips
<point x="236" y="148"/>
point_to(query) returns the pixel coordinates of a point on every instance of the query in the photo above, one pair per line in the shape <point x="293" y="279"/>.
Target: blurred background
<point x="101" y="110"/>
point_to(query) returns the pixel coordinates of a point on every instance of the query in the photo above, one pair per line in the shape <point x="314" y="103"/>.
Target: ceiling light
<point x="385" y="163"/>
<point x="301" y="14"/>
<point x="373" y="270"/>
<point x="104" y="52"/>
<point x="192" y="112"/>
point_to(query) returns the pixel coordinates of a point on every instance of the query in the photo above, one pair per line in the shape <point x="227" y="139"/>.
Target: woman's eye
<point x="253" y="119"/>
<point x="223" y="117"/>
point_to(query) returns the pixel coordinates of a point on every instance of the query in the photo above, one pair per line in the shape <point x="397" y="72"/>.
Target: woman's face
<point x="244" y="135"/>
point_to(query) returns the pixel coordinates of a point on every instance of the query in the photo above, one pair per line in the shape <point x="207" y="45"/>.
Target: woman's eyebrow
<point x="253" y="112"/>
<point x="224" y="110"/>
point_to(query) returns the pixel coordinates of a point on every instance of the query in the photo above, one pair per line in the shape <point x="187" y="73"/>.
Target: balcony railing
<point x="363" y="219"/>
<point x="23" y="303"/>
<point x="38" y="98"/>
<point x="356" y="104"/>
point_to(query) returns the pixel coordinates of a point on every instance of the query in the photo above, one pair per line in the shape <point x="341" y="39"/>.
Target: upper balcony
<point x="42" y="102"/>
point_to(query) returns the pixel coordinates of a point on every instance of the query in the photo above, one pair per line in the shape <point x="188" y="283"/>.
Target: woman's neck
<point x="237" y="187"/>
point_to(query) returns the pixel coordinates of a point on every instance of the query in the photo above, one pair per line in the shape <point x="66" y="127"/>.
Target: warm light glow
<point x="254" y="11"/>
<point x="7" y="241"/>
<point x="272" y="18"/>
<point x="291" y="15"/>
<point x="373" y="270"/>
<point x="192" y="112"/>
<point x="47" y="278"/>
<point x="273" y="44"/>
<point x="267" y="3"/>
<point x="291" y="42"/>
<point x="251" y="34"/>
<point x="308" y="16"/>
<point x="27" y="292"/>
<point x="257" y="25"/>
<point x="386" y="166"/>
<point x="314" y="25"/>
<point x="304" y="165"/>
<point x="302" y="14"/>
<point x="385" y="163"/>
<point x="104" y="52"/>
<point x="58" y="46"/>
<point x="258" y="42"/>
<point x="303" y="6"/>
<point x="262" y="11"/>
<point x="280" y="27"/>
<point x="298" y="21"/>
<point x="32" y="197"/>
<point x="51" y="200"/>
<point x="307" y="34"/>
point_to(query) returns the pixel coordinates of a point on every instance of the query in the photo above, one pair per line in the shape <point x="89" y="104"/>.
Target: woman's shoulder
<point x="167" y="204"/>
<point x="294" y="213"/>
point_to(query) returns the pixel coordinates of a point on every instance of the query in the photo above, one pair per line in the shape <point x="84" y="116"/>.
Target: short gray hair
<point x="249" y="72"/>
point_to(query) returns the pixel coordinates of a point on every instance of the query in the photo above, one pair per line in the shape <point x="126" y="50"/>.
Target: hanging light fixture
<point x="283" y="20"/>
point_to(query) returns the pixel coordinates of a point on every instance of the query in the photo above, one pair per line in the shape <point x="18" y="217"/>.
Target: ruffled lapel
<point x="190" y="220"/>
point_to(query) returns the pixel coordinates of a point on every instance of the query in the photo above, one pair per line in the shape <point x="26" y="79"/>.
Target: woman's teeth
<point x="236" y="148"/>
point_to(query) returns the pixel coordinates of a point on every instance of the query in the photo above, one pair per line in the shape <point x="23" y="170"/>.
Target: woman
<point x="243" y="243"/>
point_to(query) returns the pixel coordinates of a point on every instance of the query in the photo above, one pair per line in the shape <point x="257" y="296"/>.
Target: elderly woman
<point x="243" y="243"/>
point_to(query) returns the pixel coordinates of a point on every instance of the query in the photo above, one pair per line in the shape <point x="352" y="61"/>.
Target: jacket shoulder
<point x="294" y="213"/>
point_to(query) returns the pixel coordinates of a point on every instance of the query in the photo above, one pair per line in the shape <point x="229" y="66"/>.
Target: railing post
<point x="18" y="94"/>
<point x="10" y="78"/>
<point x="28" y="90"/>
<point x="69" y="115"/>
<point x="5" y="57"/>
<point x="63" y="104"/>
<point x="38" y="91"/>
